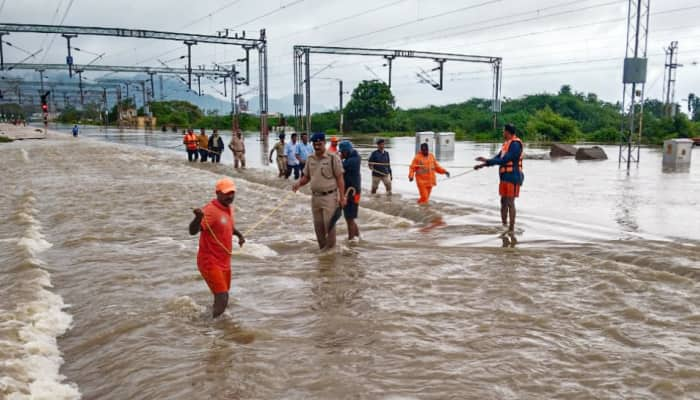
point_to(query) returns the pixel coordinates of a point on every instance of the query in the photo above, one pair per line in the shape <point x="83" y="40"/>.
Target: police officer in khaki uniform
<point x="325" y="173"/>
<point x="237" y="146"/>
<point x="281" y="156"/>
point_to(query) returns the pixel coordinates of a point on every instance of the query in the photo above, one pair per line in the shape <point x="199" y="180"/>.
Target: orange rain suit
<point x="215" y="246"/>
<point x="423" y="168"/>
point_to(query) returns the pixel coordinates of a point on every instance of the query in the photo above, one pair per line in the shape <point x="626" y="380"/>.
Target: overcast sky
<point x="544" y="44"/>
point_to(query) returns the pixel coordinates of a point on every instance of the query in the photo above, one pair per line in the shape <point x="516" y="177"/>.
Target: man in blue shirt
<point x="510" y="171"/>
<point x="380" y="165"/>
<point x="290" y="150"/>
<point x="352" y="177"/>
<point x="304" y="148"/>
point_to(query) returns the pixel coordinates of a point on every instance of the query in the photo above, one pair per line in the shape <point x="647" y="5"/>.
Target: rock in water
<point x="591" y="153"/>
<point x="536" y="156"/>
<point x="562" y="150"/>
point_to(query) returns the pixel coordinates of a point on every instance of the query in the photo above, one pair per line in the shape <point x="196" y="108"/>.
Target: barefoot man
<point x="216" y="223"/>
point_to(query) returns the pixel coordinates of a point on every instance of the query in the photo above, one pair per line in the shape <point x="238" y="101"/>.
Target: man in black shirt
<point x="380" y="165"/>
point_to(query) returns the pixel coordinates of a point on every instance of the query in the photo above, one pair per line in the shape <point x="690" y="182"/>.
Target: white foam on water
<point x="185" y="306"/>
<point x="166" y="241"/>
<point x="25" y="155"/>
<point x="39" y="323"/>
<point x="256" y="250"/>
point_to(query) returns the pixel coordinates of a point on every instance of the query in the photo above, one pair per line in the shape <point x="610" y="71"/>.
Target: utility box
<point x="677" y="152"/>
<point x="425" y="137"/>
<point x="445" y="146"/>
<point x="634" y="70"/>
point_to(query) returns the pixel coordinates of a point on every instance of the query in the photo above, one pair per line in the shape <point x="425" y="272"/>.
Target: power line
<point x="17" y="47"/>
<point x="210" y="14"/>
<point x="53" y="20"/>
<point x="569" y="27"/>
<point x="499" y="18"/>
<point x="282" y="7"/>
<point x="529" y="19"/>
<point x="65" y="14"/>
<point x="335" y="21"/>
<point x="458" y="10"/>
<point x="500" y="25"/>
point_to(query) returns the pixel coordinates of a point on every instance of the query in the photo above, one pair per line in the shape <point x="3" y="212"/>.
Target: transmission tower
<point x="669" y="89"/>
<point x="633" y="79"/>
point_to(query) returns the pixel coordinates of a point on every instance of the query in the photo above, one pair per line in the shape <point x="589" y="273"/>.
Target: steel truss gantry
<point x="302" y="72"/>
<point x="223" y="38"/>
<point x="120" y="68"/>
<point x="57" y="88"/>
<point x="634" y="79"/>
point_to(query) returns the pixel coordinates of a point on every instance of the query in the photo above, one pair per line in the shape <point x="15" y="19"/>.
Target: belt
<point x="325" y="193"/>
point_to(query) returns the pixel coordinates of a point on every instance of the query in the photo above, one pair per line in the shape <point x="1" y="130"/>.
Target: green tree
<point x="694" y="107"/>
<point x="370" y="107"/>
<point x="552" y="126"/>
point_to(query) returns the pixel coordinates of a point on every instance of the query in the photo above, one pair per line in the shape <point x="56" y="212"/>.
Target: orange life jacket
<point x="508" y="167"/>
<point x="190" y="141"/>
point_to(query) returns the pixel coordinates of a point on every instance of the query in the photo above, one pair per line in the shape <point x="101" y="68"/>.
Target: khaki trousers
<point x="386" y="180"/>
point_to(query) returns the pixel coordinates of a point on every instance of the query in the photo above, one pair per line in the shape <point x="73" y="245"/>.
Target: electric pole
<point x="69" y="58"/>
<point x="2" y="58"/>
<point x="189" y="44"/>
<point x="669" y="88"/>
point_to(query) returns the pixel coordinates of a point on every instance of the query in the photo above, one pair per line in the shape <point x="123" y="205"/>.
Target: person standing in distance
<point x="216" y="146"/>
<point x="281" y="158"/>
<point x="290" y="151"/>
<point x="203" y="145"/>
<point x="190" y="141"/>
<point x="237" y="146"/>
<point x="304" y="148"/>
<point x="380" y="165"/>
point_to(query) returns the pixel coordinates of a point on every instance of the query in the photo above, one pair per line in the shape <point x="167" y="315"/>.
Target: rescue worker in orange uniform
<point x="510" y="160"/>
<point x="216" y="223"/>
<point x="333" y="147"/>
<point x="423" y="168"/>
<point x="190" y="142"/>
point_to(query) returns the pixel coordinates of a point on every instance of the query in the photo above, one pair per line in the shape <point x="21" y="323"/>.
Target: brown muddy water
<point x="101" y="298"/>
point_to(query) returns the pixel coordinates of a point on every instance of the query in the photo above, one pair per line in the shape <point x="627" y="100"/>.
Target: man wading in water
<point x="216" y="223"/>
<point x="510" y="160"/>
<point x="325" y="172"/>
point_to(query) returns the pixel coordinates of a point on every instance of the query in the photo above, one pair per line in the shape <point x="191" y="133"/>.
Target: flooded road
<point x="599" y="298"/>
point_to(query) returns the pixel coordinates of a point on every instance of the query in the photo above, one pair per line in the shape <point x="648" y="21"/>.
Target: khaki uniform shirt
<point x="279" y="148"/>
<point x="237" y="144"/>
<point x="322" y="171"/>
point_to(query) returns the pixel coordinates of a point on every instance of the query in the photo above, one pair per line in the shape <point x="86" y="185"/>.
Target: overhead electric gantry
<point x="302" y="72"/>
<point x="223" y="38"/>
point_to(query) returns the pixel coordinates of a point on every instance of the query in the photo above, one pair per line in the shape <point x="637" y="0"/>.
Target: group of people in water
<point x="204" y="147"/>
<point x="334" y="177"/>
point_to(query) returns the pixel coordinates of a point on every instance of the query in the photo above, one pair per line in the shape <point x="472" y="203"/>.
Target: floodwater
<point x="597" y="297"/>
